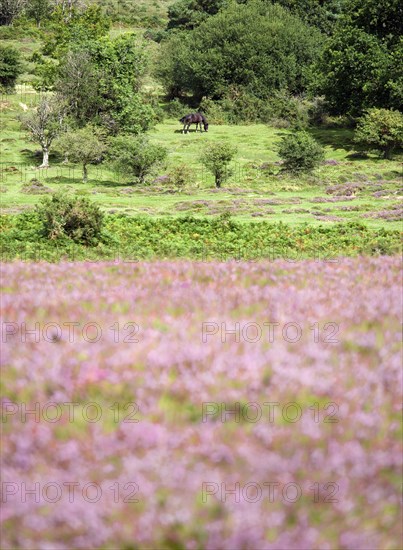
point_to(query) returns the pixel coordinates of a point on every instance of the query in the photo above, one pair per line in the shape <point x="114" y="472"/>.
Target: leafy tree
<point x="256" y="46"/>
<point x="39" y="10"/>
<point x="135" y="156"/>
<point x="361" y="66"/>
<point x="10" y="9"/>
<point x="300" y="152"/>
<point x="100" y="81"/>
<point x="216" y="157"/>
<point x="10" y="68"/>
<point x="76" y="218"/>
<point x="45" y="124"/>
<point x="84" y="145"/>
<point x="353" y="72"/>
<point x="382" y="130"/>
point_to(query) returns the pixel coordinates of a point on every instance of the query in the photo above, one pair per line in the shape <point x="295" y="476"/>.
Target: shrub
<point x="10" y="68"/>
<point x="216" y="157"/>
<point x="300" y="152"/>
<point x="135" y="156"/>
<point x="382" y="130"/>
<point x="75" y="218"/>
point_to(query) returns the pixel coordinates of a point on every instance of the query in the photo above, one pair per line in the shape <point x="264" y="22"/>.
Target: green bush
<point x="300" y="152"/>
<point x="10" y="68"/>
<point x="74" y="218"/>
<point x="216" y="157"/>
<point x="135" y="156"/>
<point x="381" y="130"/>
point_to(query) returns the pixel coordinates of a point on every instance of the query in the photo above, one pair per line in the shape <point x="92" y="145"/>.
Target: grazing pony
<point x="194" y="118"/>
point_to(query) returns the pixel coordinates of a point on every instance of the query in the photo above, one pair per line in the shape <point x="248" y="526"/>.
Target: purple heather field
<point x="185" y="405"/>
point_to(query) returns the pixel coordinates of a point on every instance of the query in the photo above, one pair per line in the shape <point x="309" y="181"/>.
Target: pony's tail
<point x="182" y="119"/>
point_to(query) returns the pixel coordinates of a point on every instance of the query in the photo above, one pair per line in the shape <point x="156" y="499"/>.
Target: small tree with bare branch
<point x="45" y="124"/>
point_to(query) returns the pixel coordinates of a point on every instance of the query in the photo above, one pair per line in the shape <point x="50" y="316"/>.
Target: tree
<point x="216" y="157"/>
<point x="360" y="66"/>
<point x="300" y="152"/>
<point x="101" y="80"/>
<point x="136" y="156"/>
<point x="10" y="9"/>
<point x="84" y="145"/>
<point x="380" y="129"/>
<point x="39" y="10"/>
<point x="45" y="124"/>
<point x="10" y="68"/>
<point x="351" y="72"/>
<point x="78" y="82"/>
<point x="257" y="46"/>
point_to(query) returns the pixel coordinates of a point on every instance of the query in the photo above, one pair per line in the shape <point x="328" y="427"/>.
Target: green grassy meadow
<point x="256" y="189"/>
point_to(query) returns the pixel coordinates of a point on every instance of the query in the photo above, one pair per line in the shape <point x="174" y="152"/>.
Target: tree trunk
<point x="85" y="173"/>
<point x="217" y="181"/>
<point x="45" y="160"/>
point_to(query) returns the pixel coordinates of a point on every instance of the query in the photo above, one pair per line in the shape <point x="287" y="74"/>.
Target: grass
<point x="293" y="200"/>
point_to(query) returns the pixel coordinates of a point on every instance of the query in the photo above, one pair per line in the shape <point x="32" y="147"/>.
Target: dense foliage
<point x="10" y="68"/>
<point x="381" y="130"/>
<point x="257" y="47"/>
<point x="300" y="152"/>
<point x="360" y="66"/>
<point x="100" y="80"/>
<point x="141" y="237"/>
<point x="78" y="219"/>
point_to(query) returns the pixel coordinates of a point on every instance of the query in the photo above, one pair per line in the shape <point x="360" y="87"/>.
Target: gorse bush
<point x="381" y="130"/>
<point x="300" y="152"/>
<point x="180" y="176"/>
<point x="74" y="218"/>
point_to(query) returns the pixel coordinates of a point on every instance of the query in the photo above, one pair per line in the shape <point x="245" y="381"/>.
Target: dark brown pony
<point x="194" y="118"/>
